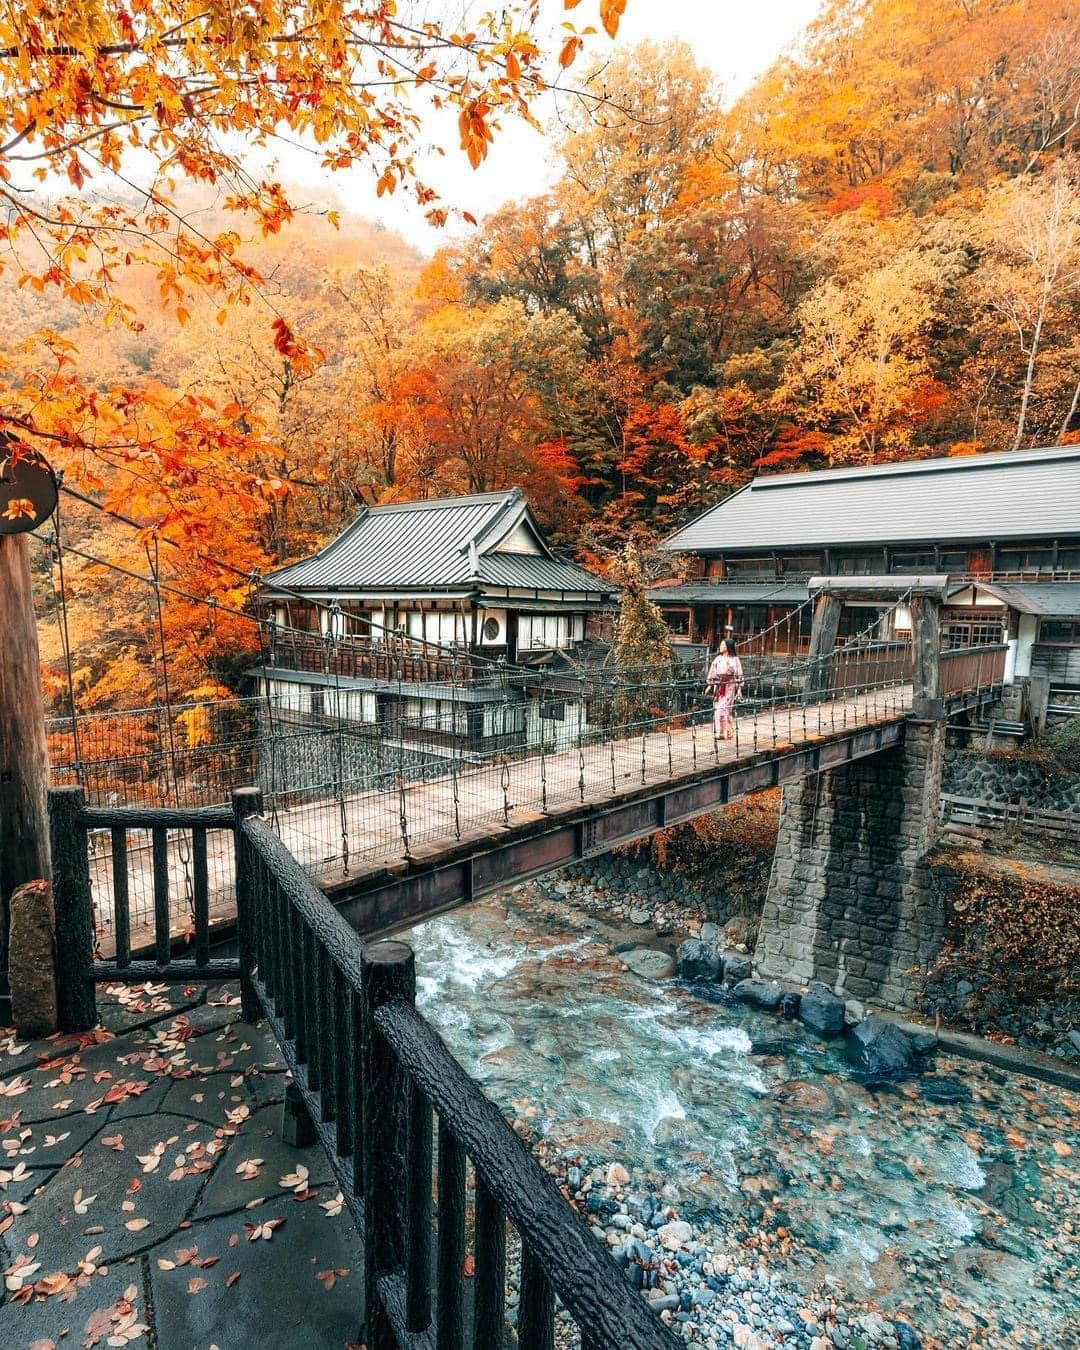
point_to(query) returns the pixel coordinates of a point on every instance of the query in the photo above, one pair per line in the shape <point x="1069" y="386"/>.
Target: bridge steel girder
<point x="388" y="899"/>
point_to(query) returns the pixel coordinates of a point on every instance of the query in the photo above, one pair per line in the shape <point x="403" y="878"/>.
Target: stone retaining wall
<point x="1006" y="778"/>
<point x="625" y="874"/>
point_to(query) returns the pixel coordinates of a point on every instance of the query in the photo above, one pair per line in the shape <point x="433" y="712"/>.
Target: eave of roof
<point x="730" y="593"/>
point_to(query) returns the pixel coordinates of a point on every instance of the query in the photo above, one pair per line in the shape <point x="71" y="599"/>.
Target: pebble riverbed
<point x="756" y="1193"/>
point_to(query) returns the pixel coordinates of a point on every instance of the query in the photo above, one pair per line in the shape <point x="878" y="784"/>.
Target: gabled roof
<point x="1021" y="494"/>
<point x="450" y="543"/>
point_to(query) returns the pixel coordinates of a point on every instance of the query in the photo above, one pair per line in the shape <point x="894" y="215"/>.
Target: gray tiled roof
<point x="1051" y="599"/>
<point x="531" y="572"/>
<point x="425" y="546"/>
<point x="1020" y="494"/>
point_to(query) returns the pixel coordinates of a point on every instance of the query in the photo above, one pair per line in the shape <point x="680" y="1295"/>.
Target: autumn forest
<point x="872" y="254"/>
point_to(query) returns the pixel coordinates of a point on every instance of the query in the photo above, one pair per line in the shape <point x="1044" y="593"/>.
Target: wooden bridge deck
<point x="496" y="804"/>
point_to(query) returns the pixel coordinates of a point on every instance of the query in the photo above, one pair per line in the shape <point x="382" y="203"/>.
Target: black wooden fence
<point x="79" y="965"/>
<point x="375" y="1083"/>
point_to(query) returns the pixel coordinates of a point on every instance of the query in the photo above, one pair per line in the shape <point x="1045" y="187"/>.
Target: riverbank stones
<point x="736" y="968"/>
<point x="877" y="1048"/>
<point x="821" y="1010"/>
<point x="650" y="963"/>
<point x="764" y="994"/>
<point x="698" y="960"/>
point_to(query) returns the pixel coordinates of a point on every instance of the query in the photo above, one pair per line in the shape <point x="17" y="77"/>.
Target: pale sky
<point x="737" y="39"/>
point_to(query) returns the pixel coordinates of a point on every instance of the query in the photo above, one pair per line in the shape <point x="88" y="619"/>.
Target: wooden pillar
<point x="926" y="642"/>
<point x="24" y="821"/>
<point x="823" y="634"/>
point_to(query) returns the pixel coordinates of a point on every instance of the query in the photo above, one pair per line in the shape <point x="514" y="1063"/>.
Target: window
<point x="909" y="561"/>
<point x="747" y="619"/>
<point x="1059" y="630"/>
<point x="437" y="714"/>
<point x="444" y="628"/>
<point x="856" y="620"/>
<point x="1068" y="559"/>
<point x="955" y="563"/>
<point x="751" y="569"/>
<point x="539" y="631"/>
<point x="1025" y="559"/>
<point x="317" y="702"/>
<point x="553" y="710"/>
<point x="357" y="619"/>
<point x="714" y="567"/>
<point x="678" y="620"/>
<point x="985" y="632"/>
<point x="504" y="719"/>
<point x="860" y="564"/>
<point x="802" y="564"/>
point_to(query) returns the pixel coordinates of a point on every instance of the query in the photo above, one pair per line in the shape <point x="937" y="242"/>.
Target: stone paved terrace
<point x="147" y="1198"/>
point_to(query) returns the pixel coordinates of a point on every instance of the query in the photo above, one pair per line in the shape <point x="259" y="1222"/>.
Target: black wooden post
<point x="297" y="1129"/>
<point x="388" y="975"/>
<point x="75" y="999"/>
<point x="246" y="801"/>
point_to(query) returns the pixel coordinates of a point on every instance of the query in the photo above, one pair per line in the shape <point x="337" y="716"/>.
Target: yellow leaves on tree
<point x="94" y="93"/>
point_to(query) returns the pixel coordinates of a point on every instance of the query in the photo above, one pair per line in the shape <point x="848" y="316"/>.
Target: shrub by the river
<point x="1013" y="933"/>
<point x="1064" y="744"/>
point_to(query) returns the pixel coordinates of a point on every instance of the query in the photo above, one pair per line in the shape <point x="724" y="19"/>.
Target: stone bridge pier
<point x="851" y="900"/>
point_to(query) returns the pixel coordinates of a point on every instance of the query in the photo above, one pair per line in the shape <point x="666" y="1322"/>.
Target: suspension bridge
<point x="404" y="843"/>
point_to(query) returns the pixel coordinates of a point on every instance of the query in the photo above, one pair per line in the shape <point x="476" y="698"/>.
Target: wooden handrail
<point x="371" y="1072"/>
<point x="592" y="1291"/>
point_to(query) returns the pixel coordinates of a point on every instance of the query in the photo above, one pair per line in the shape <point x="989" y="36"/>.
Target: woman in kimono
<point x="723" y="682"/>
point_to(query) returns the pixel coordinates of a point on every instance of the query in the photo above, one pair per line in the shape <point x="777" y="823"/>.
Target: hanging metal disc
<point x="27" y="492"/>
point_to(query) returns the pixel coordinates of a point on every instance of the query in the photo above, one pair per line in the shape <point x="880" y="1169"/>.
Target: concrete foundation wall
<point x="851" y="899"/>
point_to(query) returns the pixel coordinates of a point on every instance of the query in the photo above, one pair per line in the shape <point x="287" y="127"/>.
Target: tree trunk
<point x="24" y="826"/>
<point x="1029" y="377"/>
<point x="1071" y="413"/>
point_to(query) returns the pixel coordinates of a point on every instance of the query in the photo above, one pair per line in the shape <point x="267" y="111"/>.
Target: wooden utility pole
<point x="24" y="824"/>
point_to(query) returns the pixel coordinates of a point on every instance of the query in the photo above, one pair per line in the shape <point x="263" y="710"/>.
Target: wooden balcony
<point x="392" y="659"/>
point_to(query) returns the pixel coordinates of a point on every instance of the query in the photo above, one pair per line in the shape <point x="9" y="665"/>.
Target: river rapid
<point x="822" y="1212"/>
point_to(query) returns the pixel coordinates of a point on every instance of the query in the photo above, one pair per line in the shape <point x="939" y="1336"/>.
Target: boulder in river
<point x="650" y="963"/>
<point x="736" y="968"/>
<point x="698" y="960"/>
<point x="759" y="993"/>
<point x="877" y="1048"/>
<point x="821" y="1010"/>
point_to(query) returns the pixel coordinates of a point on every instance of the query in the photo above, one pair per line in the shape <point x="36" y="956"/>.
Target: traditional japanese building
<point x="1004" y="527"/>
<point x="409" y="620"/>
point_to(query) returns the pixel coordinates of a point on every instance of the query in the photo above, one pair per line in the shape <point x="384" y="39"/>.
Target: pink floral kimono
<point x="725" y="679"/>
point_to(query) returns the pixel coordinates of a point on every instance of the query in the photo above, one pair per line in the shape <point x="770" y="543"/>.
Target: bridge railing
<point x="373" y="1076"/>
<point x="967" y="669"/>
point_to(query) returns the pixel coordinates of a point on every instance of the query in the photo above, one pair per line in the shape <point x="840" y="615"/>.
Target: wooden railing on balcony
<point x="366" y="658"/>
